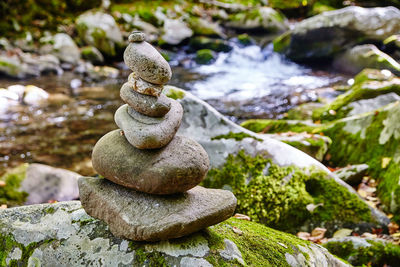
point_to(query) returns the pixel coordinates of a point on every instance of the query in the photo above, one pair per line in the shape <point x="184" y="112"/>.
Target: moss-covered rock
<point x="205" y="56"/>
<point x="281" y="197"/>
<point x="205" y="27"/>
<point x="101" y="31"/>
<point x="303" y="111"/>
<point x="278" y="126"/>
<point x="92" y="54"/>
<point x="371" y="138"/>
<point x="360" y="57"/>
<point x="63" y="234"/>
<point x="202" y="42"/>
<point x="244" y="39"/>
<point x="365" y="252"/>
<point x="10" y="191"/>
<point x="368" y="84"/>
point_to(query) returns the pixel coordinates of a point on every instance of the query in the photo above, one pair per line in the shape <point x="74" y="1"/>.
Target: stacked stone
<point x="151" y="175"/>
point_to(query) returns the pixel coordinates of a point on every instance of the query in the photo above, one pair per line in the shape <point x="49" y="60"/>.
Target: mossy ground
<point x="378" y="254"/>
<point x="10" y="193"/>
<point x="278" y="196"/>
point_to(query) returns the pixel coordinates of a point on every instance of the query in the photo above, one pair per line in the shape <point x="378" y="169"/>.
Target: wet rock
<point x="63" y="234"/>
<point x="352" y="174"/>
<point x="142" y="217"/>
<point x="262" y="18"/>
<point x="361" y="57"/>
<point x="205" y="56"/>
<point x="149" y="136"/>
<point x="143" y="87"/>
<point x="92" y="54"/>
<point x="202" y="42"/>
<point x="13" y="67"/>
<point x="303" y="111"/>
<point x="175" y="31"/>
<point x="331" y="32"/>
<point x="147" y="63"/>
<point x="205" y="27"/>
<point x="34" y="96"/>
<point x="99" y="73"/>
<point x="148" y="105"/>
<point x="101" y="31"/>
<point x="177" y="167"/>
<point x="42" y="64"/>
<point x="62" y="46"/>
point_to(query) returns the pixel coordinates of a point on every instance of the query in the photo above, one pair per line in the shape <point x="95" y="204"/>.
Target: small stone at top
<point x="136" y="37"/>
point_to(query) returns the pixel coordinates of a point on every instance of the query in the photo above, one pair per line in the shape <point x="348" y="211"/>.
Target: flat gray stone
<point x="143" y="217"/>
<point x="143" y="87"/>
<point x="149" y="136"/>
<point x="144" y="60"/>
<point x="178" y="167"/>
<point x="148" y="105"/>
<point x="143" y="118"/>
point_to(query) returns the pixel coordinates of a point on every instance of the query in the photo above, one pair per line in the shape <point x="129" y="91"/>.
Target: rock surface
<point x="145" y="104"/>
<point x="179" y="166"/>
<point x="352" y="174"/>
<point x="143" y="87"/>
<point x="147" y="134"/>
<point x="328" y="33"/>
<point x="175" y="31"/>
<point x="63" y="234"/>
<point x="143" y="217"/>
<point x="147" y="63"/>
<point x="62" y="46"/>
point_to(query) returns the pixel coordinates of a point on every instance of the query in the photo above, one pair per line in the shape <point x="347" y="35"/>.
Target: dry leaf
<point x="342" y="232"/>
<point x="369" y="235"/>
<point x="303" y="235"/>
<point x="318" y="232"/>
<point x="385" y="162"/>
<point x="311" y="207"/>
<point x="4" y="206"/>
<point x="2" y="184"/>
<point x="237" y="230"/>
<point x="241" y="217"/>
<point x="393" y="228"/>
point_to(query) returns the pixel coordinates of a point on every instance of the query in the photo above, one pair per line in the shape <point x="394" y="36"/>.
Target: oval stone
<point x="147" y="63"/>
<point x="177" y="167"/>
<point x="148" y="105"/>
<point x="143" y="87"/>
<point x="145" y="133"/>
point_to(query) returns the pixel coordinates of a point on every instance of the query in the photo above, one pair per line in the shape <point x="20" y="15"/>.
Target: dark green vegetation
<point x="277" y="126"/>
<point x="377" y="254"/>
<point x="278" y="196"/>
<point x="10" y="193"/>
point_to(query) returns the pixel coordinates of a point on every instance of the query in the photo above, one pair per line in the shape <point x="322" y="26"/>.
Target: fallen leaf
<point x="237" y="230"/>
<point x="385" y="162"/>
<point x="303" y="235"/>
<point x="311" y="207"/>
<point x="393" y="228"/>
<point x="4" y="206"/>
<point x="241" y="217"/>
<point x="2" y="184"/>
<point x="342" y="232"/>
<point x="318" y="232"/>
<point x="369" y="235"/>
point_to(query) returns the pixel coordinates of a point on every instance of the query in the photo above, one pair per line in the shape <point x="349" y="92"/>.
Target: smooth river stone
<point x="143" y="217"/>
<point x="143" y="87"/>
<point x="178" y="167"/>
<point x="144" y="60"/>
<point x="149" y="135"/>
<point x="148" y="105"/>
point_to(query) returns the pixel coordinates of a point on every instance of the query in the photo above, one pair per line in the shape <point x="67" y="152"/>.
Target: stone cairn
<point x="149" y="191"/>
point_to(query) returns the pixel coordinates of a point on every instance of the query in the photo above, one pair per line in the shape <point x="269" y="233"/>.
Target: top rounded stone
<point x="136" y="37"/>
<point x="145" y="61"/>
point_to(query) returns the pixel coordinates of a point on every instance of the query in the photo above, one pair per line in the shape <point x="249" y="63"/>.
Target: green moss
<point x="315" y="146"/>
<point x="378" y="254"/>
<point x="237" y="136"/>
<point x="175" y="93"/>
<point x="282" y="42"/>
<point x="204" y="56"/>
<point x="277" y="126"/>
<point x="244" y="39"/>
<point x="10" y="194"/>
<point x="278" y="196"/>
<point x="202" y="42"/>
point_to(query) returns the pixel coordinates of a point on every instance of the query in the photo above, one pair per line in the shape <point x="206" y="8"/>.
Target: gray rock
<point x="136" y="37"/>
<point x="177" y="167"/>
<point x="148" y="105"/>
<point x="143" y="87"/>
<point x="334" y="31"/>
<point x="352" y="174"/>
<point x="147" y="63"/>
<point x="99" y="73"/>
<point x="149" y="136"/>
<point x="13" y="67"/>
<point x="99" y="30"/>
<point x="62" y="46"/>
<point x="361" y="57"/>
<point x="92" y="54"/>
<point x="231" y="252"/>
<point x="143" y="217"/>
<point x="44" y="183"/>
<point x="62" y="234"/>
<point x="144" y="118"/>
<point x="368" y="105"/>
<point x="175" y="31"/>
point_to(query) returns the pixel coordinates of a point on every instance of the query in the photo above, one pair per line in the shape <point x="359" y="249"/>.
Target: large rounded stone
<point x="144" y="217"/>
<point x="146" y="134"/>
<point x="147" y="63"/>
<point x="148" y="105"/>
<point x="143" y="87"/>
<point x="175" y="168"/>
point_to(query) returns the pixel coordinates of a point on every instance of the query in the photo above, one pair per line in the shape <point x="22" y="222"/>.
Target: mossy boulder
<point x="360" y="57"/>
<point x="278" y="126"/>
<point x="371" y="138"/>
<point x="372" y="85"/>
<point x="205" y="56"/>
<point x="201" y="26"/>
<point x="62" y="46"/>
<point x="92" y="54"/>
<point x="202" y="42"/>
<point x="365" y="252"/>
<point x="258" y="19"/>
<point x="11" y="193"/>
<point x="303" y="111"/>
<point x="327" y="34"/>
<point x="244" y="39"/>
<point x="100" y="30"/>
<point x="63" y="234"/>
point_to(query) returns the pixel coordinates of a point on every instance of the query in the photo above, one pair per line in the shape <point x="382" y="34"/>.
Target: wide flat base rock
<point x="143" y="217"/>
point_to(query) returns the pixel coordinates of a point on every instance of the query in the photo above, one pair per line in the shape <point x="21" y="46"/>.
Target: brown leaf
<point x="2" y="184"/>
<point x="393" y="228"/>
<point x="303" y="235"/>
<point x="4" y="206"/>
<point x="237" y="230"/>
<point x="318" y="232"/>
<point x="241" y="217"/>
